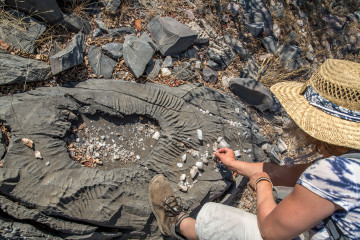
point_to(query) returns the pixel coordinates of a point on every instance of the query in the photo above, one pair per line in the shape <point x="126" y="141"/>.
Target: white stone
<point x="156" y="135"/>
<point x="183" y="177"/>
<point x="137" y="157"/>
<point x="180" y="165"/>
<point x="199" y="134"/>
<point x="199" y="165"/>
<point x="183" y="158"/>
<point x="193" y="172"/>
<point x="223" y="144"/>
<point x="38" y="155"/>
<point x="182" y="187"/>
<point x="237" y="153"/>
<point x="165" y="72"/>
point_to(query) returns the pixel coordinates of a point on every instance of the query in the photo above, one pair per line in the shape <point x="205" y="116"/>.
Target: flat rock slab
<point x="172" y="36"/>
<point x="137" y="54"/>
<point x="15" y="69"/>
<point x="76" y="202"/>
<point x="21" y="36"/>
<point x="101" y="64"/>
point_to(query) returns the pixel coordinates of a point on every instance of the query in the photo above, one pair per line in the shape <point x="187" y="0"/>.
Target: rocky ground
<point x="237" y="48"/>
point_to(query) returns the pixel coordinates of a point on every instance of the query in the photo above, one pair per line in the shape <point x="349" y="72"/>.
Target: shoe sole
<point x="152" y="209"/>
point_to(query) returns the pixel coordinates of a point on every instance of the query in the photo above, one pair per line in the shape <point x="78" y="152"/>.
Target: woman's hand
<point x="227" y="157"/>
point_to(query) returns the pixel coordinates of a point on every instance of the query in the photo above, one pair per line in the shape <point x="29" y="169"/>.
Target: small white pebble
<point x="156" y="135"/>
<point x="180" y="165"/>
<point x="199" y="134"/>
<point x="137" y="157"/>
<point x="183" y="158"/>
<point x="38" y="155"/>
<point x="47" y="163"/>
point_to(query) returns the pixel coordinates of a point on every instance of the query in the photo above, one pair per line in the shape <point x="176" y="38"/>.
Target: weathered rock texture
<point x="71" y="56"/>
<point x="15" y="69"/>
<point x="75" y="202"/>
<point x="172" y="36"/>
<point x="23" y="35"/>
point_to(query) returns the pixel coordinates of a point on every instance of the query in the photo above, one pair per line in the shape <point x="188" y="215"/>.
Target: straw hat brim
<point x="313" y="121"/>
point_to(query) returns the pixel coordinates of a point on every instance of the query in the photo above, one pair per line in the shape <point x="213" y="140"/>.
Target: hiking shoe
<point x="165" y="206"/>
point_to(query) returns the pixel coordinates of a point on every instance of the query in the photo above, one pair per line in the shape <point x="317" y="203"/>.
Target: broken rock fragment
<point x="252" y="92"/>
<point x="137" y="54"/>
<point x="28" y="142"/>
<point x="172" y="36"/>
<point x="100" y="63"/>
<point x="71" y="56"/>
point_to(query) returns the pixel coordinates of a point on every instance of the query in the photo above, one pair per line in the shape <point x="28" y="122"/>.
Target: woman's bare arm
<point x="280" y="175"/>
<point x="298" y="212"/>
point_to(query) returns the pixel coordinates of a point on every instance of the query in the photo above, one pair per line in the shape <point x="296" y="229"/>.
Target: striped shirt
<point x="336" y="179"/>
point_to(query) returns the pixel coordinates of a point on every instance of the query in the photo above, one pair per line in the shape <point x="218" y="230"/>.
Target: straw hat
<point x="338" y="81"/>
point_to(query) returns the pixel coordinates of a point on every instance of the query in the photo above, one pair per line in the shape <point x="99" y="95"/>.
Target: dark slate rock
<point x="209" y="75"/>
<point x="271" y="45"/>
<point x="290" y="57"/>
<point x="184" y="72"/>
<point x="71" y="56"/>
<point x="223" y="58"/>
<point x="23" y="38"/>
<point x="213" y="65"/>
<point x="76" y="202"/>
<point x="237" y="46"/>
<point x="252" y="92"/>
<point x="255" y="29"/>
<point x="118" y="32"/>
<point x="15" y="69"/>
<point x="113" y="6"/>
<point x="100" y="63"/>
<point x="44" y="10"/>
<point x="153" y="69"/>
<point x="75" y="23"/>
<point x="137" y="54"/>
<point x="114" y="50"/>
<point x="101" y="25"/>
<point x="97" y="33"/>
<point x="192" y="53"/>
<point x="168" y="62"/>
<point x="172" y="36"/>
<point x="146" y="38"/>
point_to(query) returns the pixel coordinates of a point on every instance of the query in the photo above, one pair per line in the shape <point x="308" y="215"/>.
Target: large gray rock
<point x="75" y="202"/>
<point x="101" y="64"/>
<point x="172" y="36"/>
<point x="44" y="10"/>
<point x="252" y="92"/>
<point x="71" y="56"/>
<point x="137" y="54"/>
<point x="256" y="29"/>
<point x="118" y="32"/>
<point x="15" y="69"/>
<point x="21" y="36"/>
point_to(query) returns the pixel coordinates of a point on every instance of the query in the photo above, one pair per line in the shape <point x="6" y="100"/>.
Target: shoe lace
<point x="172" y="206"/>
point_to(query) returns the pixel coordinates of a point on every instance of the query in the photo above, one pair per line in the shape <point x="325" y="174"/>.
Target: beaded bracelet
<point x="263" y="178"/>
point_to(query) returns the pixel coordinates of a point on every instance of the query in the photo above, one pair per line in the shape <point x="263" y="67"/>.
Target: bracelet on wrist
<point x="262" y="179"/>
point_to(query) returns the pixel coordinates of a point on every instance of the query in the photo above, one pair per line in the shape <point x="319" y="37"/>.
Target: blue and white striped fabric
<point x="337" y="179"/>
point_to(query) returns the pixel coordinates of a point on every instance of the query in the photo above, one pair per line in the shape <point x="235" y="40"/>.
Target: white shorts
<point x="217" y="221"/>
